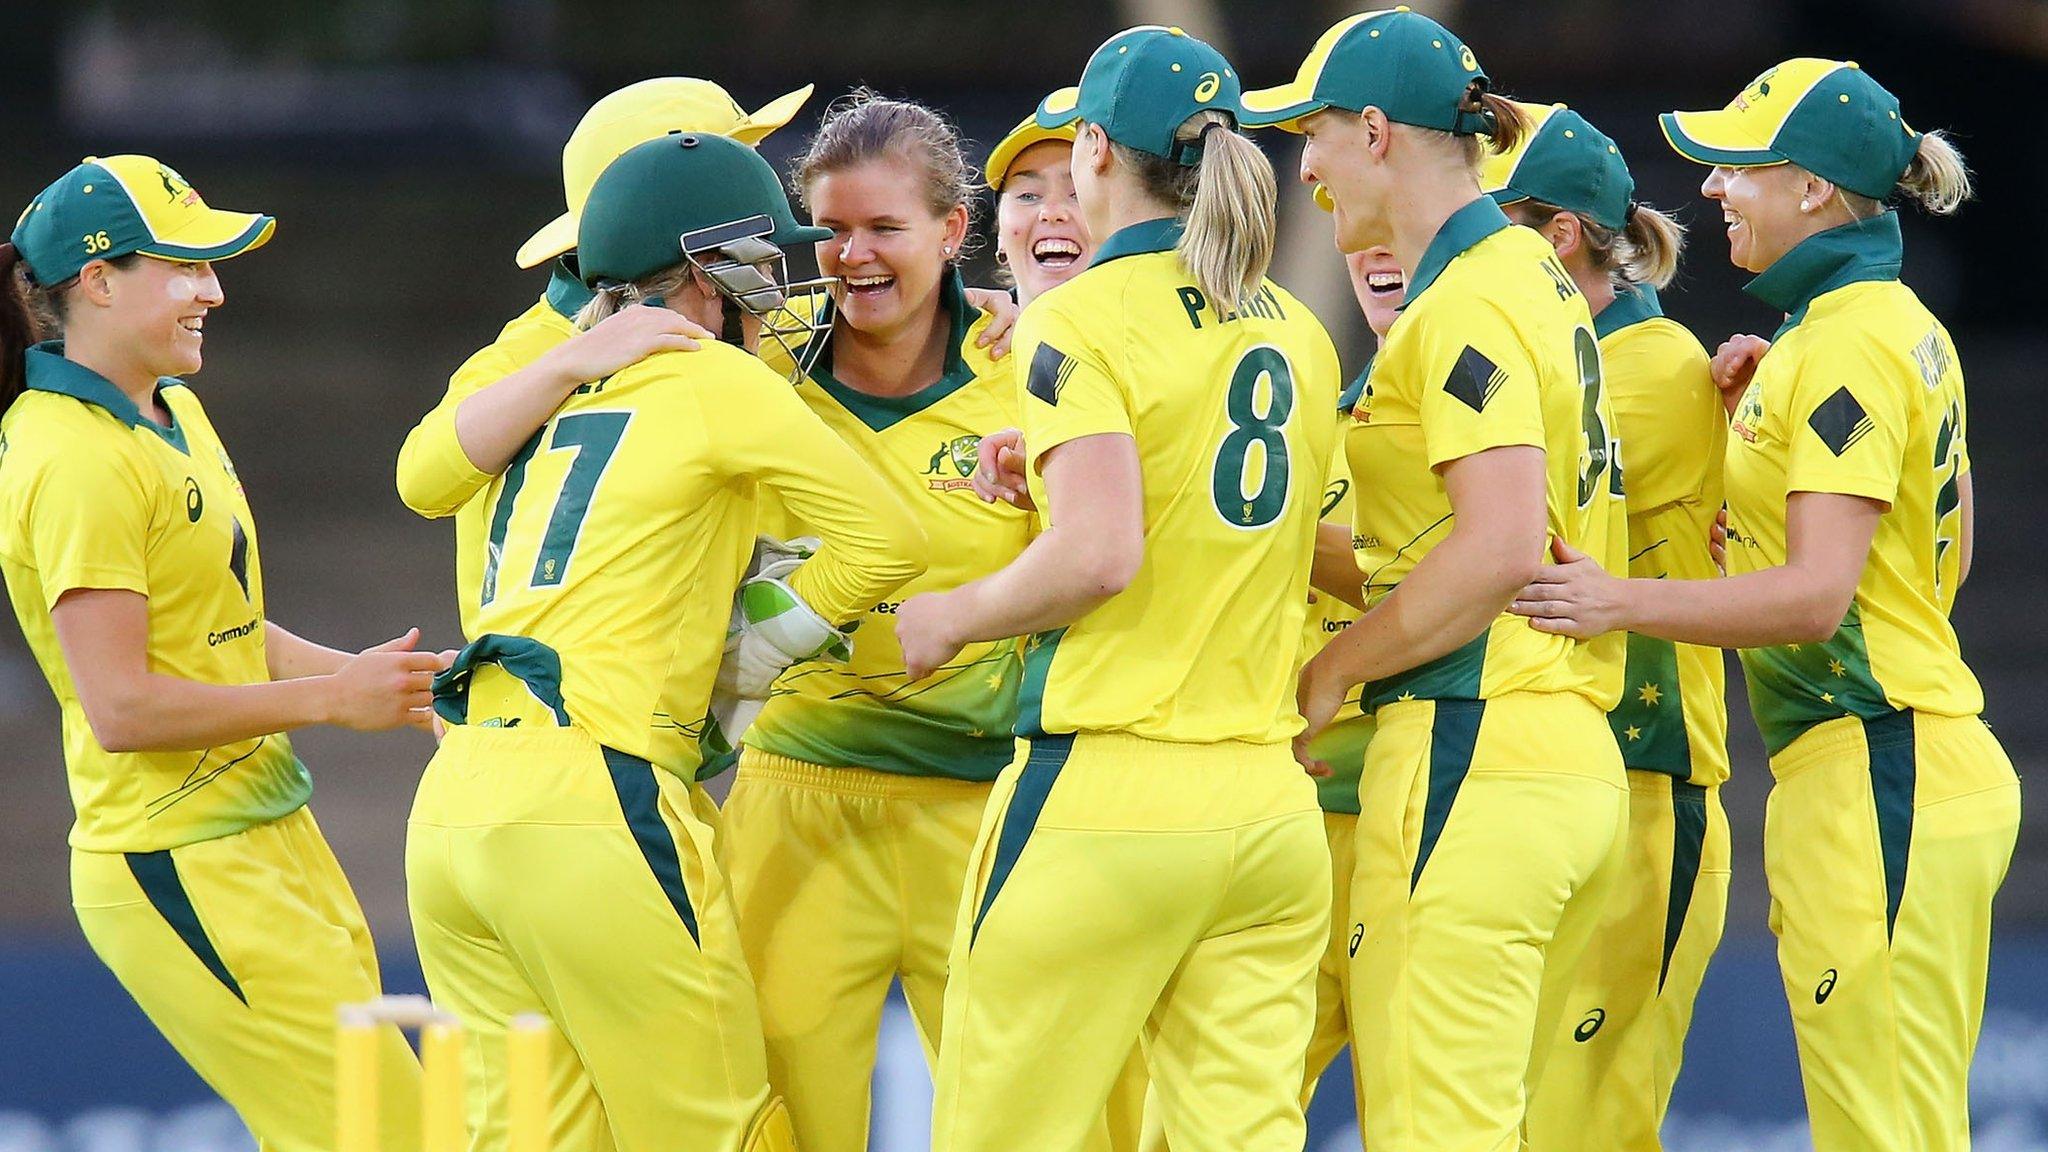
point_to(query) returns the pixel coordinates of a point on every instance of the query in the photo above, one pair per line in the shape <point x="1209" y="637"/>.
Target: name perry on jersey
<point x="1263" y="304"/>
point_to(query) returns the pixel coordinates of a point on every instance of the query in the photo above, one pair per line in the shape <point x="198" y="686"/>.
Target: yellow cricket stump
<point x="441" y="1081"/>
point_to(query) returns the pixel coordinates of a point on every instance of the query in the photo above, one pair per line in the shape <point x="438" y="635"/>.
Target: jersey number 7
<point x="593" y="436"/>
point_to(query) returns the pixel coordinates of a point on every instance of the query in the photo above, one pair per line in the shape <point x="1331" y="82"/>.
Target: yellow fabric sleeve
<point x="435" y="477"/>
<point x="88" y="524"/>
<point x="1069" y="391"/>
<point x="1478" y="384"/>
<point x="1846" y="425"/>
<point x="872" y="544"/>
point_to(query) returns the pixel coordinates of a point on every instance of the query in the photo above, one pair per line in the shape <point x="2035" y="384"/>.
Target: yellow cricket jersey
<point x="1342" y="744"/>
<point x="94" y="494"/>
<point x="1861" y="395"/>
<point x="1673" y="715"/>
<point x="1230" y="413"/>
<point x="1494" y="347"/>
<point x="435" y="478"/>
<point x="866" y="714"/>
<point x="615" y="539"/>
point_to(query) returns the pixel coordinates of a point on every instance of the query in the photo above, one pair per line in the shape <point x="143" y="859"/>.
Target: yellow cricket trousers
<point x="549" y="874"/>
<point x="240" y="950"/>
<point x="1884" y="842"/>
<point x="1120" y="887"/>
<point x="1616" y="1053"/>
<point x="1489" y="835"/>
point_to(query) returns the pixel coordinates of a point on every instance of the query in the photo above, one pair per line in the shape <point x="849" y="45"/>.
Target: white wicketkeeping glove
<point x="771" y="627"/>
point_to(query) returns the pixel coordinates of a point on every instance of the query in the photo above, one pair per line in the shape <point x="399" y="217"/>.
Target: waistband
<point x="1144" y="750"/>
<point x="770" y="768"/>
<point x="1651" y="783"/>
<point x="1856" y="735"/>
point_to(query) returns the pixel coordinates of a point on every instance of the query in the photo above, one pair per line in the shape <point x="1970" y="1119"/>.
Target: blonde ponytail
<point x="1648" y="248"/>
<point x="1227" y="244"/>
<point x="609" y="300"/>
<point x="1937" y="179"/>
<point x="1509" y="124"/>
<point x="1226" y="205"/>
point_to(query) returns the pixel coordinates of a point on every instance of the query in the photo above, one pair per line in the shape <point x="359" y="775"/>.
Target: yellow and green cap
<point x="644" y="209"/>
<point x="1562" y="160"/>
<point x="1396" y="60"/>
<point x="1142" y="85"/>
<point x="1827" y="116"/>
<point x="1023" y="136"/>
<point x="634" y="115"/>
<point x="111" y="206"/>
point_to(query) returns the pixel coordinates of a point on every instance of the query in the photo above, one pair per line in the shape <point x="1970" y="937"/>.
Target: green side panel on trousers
<point x="1042" y="764"/>
<point x="1453" y="734"/>
<point x="1688" y="843"/>
<point x="157" y="873"/>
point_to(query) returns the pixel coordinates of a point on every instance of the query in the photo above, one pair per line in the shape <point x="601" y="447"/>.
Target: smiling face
<point x="1338" y="153"/>
<point x="1760" y="207"/>
<point x="888" y="248"/>
<point x="153" y="312"/>
<point x="1377" y="281"/>
<point x="1039" y="232"/>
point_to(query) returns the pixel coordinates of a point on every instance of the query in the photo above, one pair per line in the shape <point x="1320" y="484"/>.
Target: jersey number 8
<point x="1244" y="505"/>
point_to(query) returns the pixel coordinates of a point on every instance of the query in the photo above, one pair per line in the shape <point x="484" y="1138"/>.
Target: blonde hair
<point x="609" y="300"/>
<point x="1937" y="179"/>
<point x="1506" y="125"/>
<point x="1226" y="203"/>
<point x="1645" y="250"/>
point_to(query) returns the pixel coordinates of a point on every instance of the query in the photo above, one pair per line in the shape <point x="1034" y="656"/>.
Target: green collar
<point x="1160" y="235"/>
<point x="1632" y="305"/>
<point x="1355" y="389"/>
<point x="881" y="412"/>
<point x="1864" y="250"/>
<point x="566" y="294"/>
<point x="48" y="371"/>
<point x="1466" y="227"/>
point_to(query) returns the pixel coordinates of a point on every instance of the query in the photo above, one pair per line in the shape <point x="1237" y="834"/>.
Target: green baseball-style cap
<point x="114" y="206"/>
<point x="1562" y="160"/>
<point x="1142" y="85"/>
<point x="655" y="194"/>
<point x="1398" y="61"/>
<point x="1827" y="116"/>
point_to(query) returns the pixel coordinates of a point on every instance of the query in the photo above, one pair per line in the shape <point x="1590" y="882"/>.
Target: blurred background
<point x="407" y="148"/>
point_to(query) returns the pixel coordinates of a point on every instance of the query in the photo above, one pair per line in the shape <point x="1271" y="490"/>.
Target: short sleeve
<point x="87" y="525"/>
<point x="1068" y="390"/>
<point x="435" y="476"/>
<point x="1846" y="425"/>
<point x="1478" y="384"/>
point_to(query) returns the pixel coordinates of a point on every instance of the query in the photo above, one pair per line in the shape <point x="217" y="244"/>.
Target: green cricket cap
<point x="1142" y="85"/>
<point x="1562" y="160"/>
<point x="114" y="206"/>
<point x="1827" y="116"/>
<point x="647" y="200"/>
<point x="1396" y="60"/>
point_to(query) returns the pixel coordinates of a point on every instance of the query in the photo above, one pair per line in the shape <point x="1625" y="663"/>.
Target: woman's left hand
<point x="1002" y="319"/>
<point x="1317" y="697"/>
<point x="1574" y="597"/>
<point x="924" y="629"/>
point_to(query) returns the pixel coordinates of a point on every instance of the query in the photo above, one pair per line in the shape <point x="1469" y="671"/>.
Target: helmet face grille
<point x="752" y="272"/>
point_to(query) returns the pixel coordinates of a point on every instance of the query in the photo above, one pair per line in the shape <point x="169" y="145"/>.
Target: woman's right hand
<point x="1734" y="364"/>
<point x="622" y="340"/>
<point x="388" y="686"/>
<point x="999" y="471"/>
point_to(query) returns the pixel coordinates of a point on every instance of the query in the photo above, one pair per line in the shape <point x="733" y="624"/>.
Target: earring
<point x="1805" y="206"/>
<point x="945" y="249"/>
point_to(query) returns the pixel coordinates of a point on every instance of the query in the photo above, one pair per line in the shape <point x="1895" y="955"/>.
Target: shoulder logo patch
<point x="1474" y="379"/>
<point x="1050" y="368"/>
<point x="1840" y="421"/>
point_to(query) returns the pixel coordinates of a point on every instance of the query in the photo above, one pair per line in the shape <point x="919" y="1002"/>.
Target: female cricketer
<point x="198" y="874"/>
<point x="553" y="844"/>
<point x="1041" y="240"/>
<point x="1616" y="1054"/>
<point x="1484" y="855"/>
<point x="1894" y="811"/>
<point x="859" y="792"/>
<point x="1153" y="861"/>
